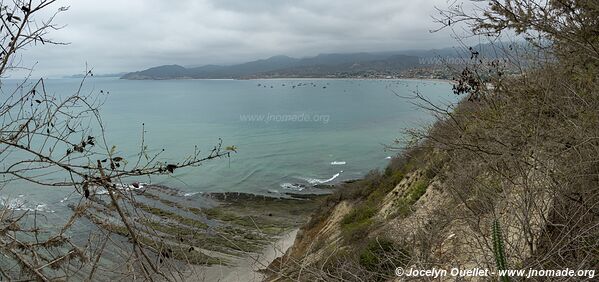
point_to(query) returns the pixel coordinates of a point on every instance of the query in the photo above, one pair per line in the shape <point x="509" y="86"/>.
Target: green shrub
<point x="359" y="214"/>
<point x="382" y="255"/>
<point x="356" y="231"/>
<point x="403" y="207"/>
<point x="404" y="204"/>
<point x="417" y="190"/>
<point x="397" y="177"/>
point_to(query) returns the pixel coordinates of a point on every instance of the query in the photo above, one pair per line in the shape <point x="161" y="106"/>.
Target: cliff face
<point x="496" y="183"/>
<point x="418" y="222"/>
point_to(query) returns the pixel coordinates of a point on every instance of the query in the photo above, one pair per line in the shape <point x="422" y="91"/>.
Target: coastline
<point x="227" y="237"/>
<point x="301" y="79"/>
<point x="248" y="268"/>
<point x="350" y="78"/>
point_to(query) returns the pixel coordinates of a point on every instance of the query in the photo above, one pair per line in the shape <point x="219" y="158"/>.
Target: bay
<point x="290" y="133"/>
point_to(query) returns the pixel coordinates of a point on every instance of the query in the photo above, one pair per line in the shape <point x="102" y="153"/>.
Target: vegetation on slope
<point x="519" y="153"/>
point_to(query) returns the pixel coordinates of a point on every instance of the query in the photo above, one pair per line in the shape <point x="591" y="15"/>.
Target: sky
<point x="113" y="36"/>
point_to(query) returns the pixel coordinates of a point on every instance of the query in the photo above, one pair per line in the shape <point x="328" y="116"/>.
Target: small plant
<point x="498" y="249"/>
<point x="382" y="255"/>
<point x="415" y="192"/>
<point x="357" y="224"/>
<point x="359" y="214"/>
<point x="355" y="232"/>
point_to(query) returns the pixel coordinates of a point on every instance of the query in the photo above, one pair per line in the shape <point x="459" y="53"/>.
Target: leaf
<point x="231" y="148"/>
<point x="38" y="101"/>
<point x="117" y="159"/>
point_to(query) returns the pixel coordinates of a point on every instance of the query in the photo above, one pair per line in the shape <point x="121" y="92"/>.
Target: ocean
<point x="290" y="134"/>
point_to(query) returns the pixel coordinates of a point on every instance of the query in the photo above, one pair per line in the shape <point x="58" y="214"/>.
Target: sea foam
<point x="315" y="181"/>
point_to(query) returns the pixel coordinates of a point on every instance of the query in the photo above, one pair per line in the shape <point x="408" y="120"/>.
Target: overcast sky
<point x="127" y="35"/>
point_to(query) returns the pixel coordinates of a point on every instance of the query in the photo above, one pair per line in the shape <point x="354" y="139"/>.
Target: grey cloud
<point x="116" y="35"/>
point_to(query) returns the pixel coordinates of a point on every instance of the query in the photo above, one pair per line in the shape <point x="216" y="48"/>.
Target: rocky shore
<point x="217" y="234"/>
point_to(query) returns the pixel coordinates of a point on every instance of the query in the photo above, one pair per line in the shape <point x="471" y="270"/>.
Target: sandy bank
<point x="246" y="268"/>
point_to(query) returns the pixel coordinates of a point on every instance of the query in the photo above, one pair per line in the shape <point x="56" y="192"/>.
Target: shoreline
<point x="248" y="268"/>
<point x="344" y="78"/>
<point x="234" y="233"/>
<point x="298" y="78"/>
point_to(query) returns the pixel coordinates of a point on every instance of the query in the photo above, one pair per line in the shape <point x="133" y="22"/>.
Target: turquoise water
<point x="350" y="123"/>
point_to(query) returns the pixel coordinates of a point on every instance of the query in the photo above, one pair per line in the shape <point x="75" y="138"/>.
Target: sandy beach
<point x="247" y="268"/>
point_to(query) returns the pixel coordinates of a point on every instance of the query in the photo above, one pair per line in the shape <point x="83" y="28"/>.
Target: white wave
<point x="98" y="190"/>
<point x="315" y="181"/>
<point x="291" y="186"/>
<point x="388" y="158"/>
<point x="21" y="204"/>
<point x="131" y="186"/>
<point x="190" y="194"/>
<point x="338" y="163"/>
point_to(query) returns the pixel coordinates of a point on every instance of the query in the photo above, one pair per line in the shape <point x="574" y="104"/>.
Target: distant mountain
<point x="323" y="65"/>
<point x="487" y="50"/>
<point x="214" y="71"/>
<point x="96" y="75"/>
<point x="345" y="66"/>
